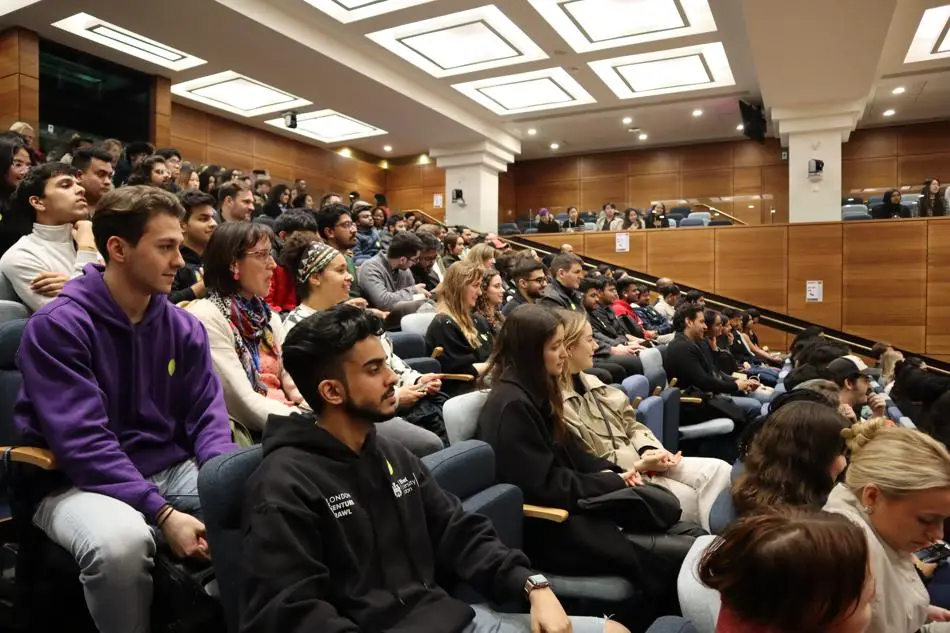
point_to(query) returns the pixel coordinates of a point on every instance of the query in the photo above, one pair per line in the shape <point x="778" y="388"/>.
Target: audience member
<point x="207" y="181"/>
<point x="602" y="418"/>
<point x="464" y="350"/>
<point x="424" y="270"/>
<point x="282" y="296"/>
<point x="395" y="224"/>
<point x="246" y="336"/>
<point x="897" y="490"/>
<point x="573" y="221"/>
<point x="152" y="171"/>
<point x="337" y="356"/>
<point x="794" y="460"/>
<point x="278" y="201"/>
<point x="669" y="297"/>
<point x="336" y="228"/>
<point x="302" y="201"/>
<point x="76" y="142"/>
<point x="750" y="339"/>
<point x="368" y="240"/>
<point x="118" y="383"/>
<point x="482" y="254"/>
<point x="236" y="203"/>
<point x="172" y="164"/>
<point x="603" y="321"/>
<point x="380" y="216"/>
<point x="931" y="203"/>
<point x="650" y="318"/>
<point x="820" y="561"/>
<point x="890" y="207"/>
<point x="329" y="198"/>
<point x="386" y="281"/>
<point x="15" y="162"/>
<point x="135" y="153"/>
<point x="547" y="223"/>
<point x="488" y="304"/>
<point x="187" y="177"/>
<point x="523" y="421"/>
<point x="530" y="282"/>
<point x="695" y="372"/>
<point x="197" y="226"/>
<point x="95" y="173"/>
<point x="438" y="232"/>
<point x="61" y="243"/>
<point x="633" y="220"/>
<point x="452" y="247"/>
<point x="566" y="274"/>
<point x="322" y="282"/>
<point x="113" y="147"/>
<point x="609" y="220"/>
<point x="850" y="374"/>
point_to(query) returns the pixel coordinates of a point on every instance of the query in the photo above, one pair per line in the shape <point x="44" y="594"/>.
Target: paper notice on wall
<point x="437" y="201"/>
<point x="814" y="291"/>
<point x="622" y="244"/>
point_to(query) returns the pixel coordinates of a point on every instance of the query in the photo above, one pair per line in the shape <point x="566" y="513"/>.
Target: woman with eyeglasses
<point x="245" y="335"/>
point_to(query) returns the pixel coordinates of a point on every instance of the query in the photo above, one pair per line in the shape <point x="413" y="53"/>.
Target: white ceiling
<point x="449" y="80"/>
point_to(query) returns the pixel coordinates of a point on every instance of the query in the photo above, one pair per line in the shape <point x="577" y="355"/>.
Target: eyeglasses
<point x="20" y="164"/>
<point x="346" y="225"/>
<point x="261" y="256"/>
<point x="539" y="280"/>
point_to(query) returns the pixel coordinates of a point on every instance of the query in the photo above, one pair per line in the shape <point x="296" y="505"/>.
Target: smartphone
<point x="936" y="553"/>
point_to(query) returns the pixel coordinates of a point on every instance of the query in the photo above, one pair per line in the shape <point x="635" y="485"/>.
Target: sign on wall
<point x="622" y="243"/>
<point x="814" y="291"/>
<point x="437" y="201"/>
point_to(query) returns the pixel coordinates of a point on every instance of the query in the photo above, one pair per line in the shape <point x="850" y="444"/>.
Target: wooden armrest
<point x="39" y="457"/>
<point x="657" y="391"/>
<point x="673" y="381"/>
<point x="637" y="401"/>
<point x="541" y="512"/>
<point x="738" y="375"/>
<point x="437" y="352"/>
<point x="691" y="400"/>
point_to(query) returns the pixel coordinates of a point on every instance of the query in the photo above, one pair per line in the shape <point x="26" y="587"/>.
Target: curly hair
<point x="789" y="461"/>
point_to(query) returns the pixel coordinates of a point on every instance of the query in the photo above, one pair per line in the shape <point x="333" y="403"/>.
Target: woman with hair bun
<point x="897" y="489"/>
<point x="793" y="571"/>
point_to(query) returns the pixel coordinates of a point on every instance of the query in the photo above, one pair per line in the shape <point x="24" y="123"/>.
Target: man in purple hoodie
<point x="118" y="383"/>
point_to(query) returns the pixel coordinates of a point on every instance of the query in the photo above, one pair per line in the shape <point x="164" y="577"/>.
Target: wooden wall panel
<point x="19" y="78"/>
<point x="602" y="165"/>
<point x="707" y="156"/>
<point x="877" y="143"/>
<point x="644" y="188"/>
<point x="205" y="139"/>
<point x="885" y="281"/>
<point x="595" y="193"/>
<point x="603" y="246"/>
<point x="749" y="154"/>
<point x="923" y="138"/>
<point x="815" y="253"/>
<point x="507" y="198"/>
<point x="706" y="184"/>
<point x="160" y="112"/>
<point x="915" y="169"/>
<point x="687" y="257"/>
<point x="653" y="161"/>
<point x="751" y="265"/>
<point x="556" y="196"/>
<point x="938" y="287"/>
<point x="775" y="194"/>
<point x="868" y="172"/>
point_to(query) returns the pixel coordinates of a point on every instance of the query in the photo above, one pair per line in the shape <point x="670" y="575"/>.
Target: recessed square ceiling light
<point x="699" y="67"/>
<point x="235" y="93"/>
<point x="117" y="38"/>
<point x="352" y="10"/>
<point x="463" y="42"/>
<point x="593" y="25"/>
<point x="545" y="89"/>
<point x="931" y="41"/>
<point x="329" y="126"/>
<point x="9" y="6"/>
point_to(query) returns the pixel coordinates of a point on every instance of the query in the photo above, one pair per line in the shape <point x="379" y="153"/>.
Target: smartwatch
<point x="537" y="581"/>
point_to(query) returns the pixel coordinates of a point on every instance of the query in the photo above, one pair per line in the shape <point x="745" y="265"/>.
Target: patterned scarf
<point x="250" y="325"/>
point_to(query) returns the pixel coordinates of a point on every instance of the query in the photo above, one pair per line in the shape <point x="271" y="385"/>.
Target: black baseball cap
<point x="846" y="367"/>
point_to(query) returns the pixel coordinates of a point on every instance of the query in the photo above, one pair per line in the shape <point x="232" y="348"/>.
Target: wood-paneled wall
<point x="751" y="172"/>
<point x="882" y="281"/>
<point x="207" y="139"/>
<point x="19" y="78"/>
<point x="413" y="186"/>
<point x="896" y="156"/>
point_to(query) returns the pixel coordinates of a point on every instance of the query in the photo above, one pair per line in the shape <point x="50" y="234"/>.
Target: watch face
<point x="537" y="580"/>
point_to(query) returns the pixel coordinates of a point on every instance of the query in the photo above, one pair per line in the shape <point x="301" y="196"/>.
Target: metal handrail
<point x="721" y="212"/>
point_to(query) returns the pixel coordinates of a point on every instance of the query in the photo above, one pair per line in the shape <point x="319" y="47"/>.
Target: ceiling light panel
<point x="238" y="94"/>
<point x="594" y="25"/>
<point x="545" y="89"/>
<point x="463" y="42"/>
<point x="931" y="41"/>
<point x="329" y="126"/>
<point x="655" y="73"/>
<point x="123" y="40"/>
<point x="353" y="10"/>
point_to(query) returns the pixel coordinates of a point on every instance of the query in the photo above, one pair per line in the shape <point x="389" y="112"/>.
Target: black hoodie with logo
<point x="338" y="541"/>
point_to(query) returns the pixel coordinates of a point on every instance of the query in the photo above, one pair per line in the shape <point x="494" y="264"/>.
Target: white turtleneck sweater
<point x="46" y="249"/>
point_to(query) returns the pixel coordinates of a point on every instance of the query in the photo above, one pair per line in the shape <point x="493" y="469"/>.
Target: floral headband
<point x="317" y="257"/>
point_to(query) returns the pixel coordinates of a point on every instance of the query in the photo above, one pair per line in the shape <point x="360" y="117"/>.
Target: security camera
<point x="290" y="119"/>
<point x="815" y="169"/>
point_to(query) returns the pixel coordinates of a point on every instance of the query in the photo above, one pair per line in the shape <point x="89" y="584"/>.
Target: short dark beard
<point x="364" y="414"/>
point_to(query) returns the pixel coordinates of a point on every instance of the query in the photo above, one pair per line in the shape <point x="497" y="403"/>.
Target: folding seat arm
<point x="556" y="515"/>
<point x="38" y="457"/>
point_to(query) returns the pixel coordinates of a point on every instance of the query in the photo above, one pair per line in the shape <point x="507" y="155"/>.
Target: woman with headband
<point x="323" y="281"/>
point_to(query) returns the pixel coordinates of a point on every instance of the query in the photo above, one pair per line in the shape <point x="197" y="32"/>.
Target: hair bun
<point x="860" y="433"/>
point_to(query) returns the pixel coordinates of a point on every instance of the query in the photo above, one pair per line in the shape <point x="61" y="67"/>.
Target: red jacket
<point x="283" y="292"/>
<point x="621" y="307"/>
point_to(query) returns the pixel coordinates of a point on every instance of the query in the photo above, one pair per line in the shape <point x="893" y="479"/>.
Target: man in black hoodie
<point x="347" y="531"/>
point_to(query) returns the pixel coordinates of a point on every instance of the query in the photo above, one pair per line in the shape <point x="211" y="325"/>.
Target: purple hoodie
<point x="118" y="402"/>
